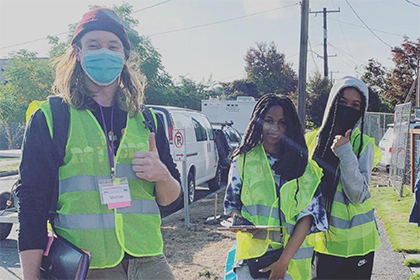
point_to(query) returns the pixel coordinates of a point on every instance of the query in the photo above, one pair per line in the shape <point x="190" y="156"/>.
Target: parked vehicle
<point x="385" y="145"/>
<point x="201" y="151"/>
<point x="237" y="111"/>
<point x="227" y="140"/>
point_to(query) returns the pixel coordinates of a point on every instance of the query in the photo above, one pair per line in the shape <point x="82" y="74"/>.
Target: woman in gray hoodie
<point x="347" y="157"/>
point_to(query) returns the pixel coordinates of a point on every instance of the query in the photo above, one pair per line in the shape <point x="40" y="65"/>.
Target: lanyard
<point x="109" y="143"/>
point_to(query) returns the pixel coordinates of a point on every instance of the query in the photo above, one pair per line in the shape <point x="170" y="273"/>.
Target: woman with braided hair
<point x="347" y="157"/>
<point x="273" y="183"/>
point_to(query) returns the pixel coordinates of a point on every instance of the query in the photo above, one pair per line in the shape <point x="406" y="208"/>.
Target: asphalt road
<point x="9" y="258"/>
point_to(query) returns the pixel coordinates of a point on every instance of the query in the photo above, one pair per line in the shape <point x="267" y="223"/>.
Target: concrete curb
<point x="9" y="173"/>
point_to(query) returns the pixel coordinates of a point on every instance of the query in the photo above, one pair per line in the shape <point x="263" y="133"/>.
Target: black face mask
<point x="346" y="118"/>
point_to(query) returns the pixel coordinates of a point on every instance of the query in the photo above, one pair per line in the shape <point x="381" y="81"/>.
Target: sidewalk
<point x="388" y="264"/>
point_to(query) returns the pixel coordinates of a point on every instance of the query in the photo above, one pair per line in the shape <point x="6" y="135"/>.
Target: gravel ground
<point x="200" y="252"/>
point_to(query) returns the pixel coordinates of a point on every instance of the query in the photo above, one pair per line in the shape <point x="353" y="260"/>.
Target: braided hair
<point x="326" y="158"/>
<point x="292" y="149"/>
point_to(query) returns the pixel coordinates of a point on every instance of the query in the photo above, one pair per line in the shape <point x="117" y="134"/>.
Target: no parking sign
<point x="179" y="144"/>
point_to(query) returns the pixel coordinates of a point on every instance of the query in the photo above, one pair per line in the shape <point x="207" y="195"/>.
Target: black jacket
<point x="37" y="165"/>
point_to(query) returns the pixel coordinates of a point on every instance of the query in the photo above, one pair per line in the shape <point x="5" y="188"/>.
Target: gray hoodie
<point x="355" y="174"/>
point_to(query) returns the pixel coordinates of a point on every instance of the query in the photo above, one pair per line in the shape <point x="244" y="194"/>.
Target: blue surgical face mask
<point x="103" y="66"/>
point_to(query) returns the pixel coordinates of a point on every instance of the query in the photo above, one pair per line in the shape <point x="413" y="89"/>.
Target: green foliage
<point x="394" y="212"/>
<point x="391" y="86"/>
<point x="188" y="94"/>
<point x="318" y="89"/>
<point x="376" y="77"/>
<point x="412" y="262"/>
<point x="205" y="273"/>
<point x="404" y="72"/>
<point x="267" y="69"/>
<point x="28" y="78"/>
<point x="415" y="276"/>
<point x="239" y="87"/>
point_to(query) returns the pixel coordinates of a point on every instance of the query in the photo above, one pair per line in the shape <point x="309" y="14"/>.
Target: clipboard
<point x="247" y="228"/>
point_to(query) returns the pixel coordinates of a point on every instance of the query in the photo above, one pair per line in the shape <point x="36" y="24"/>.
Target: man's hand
<point x="341" y="140"/>
<point x="147" y="165"/>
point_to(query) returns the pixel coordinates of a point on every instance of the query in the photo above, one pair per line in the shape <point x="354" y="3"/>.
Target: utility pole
<point x="303" y="54"/>
<point x="324" y="12"/>
<point x="418" y="84"/>
<point x="331" y="77"/>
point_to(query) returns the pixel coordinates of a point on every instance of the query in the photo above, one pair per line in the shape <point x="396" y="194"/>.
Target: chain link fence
<point x="414" y="157"/>
<point x="400" y="147"/>
<point x="376" y="124"/>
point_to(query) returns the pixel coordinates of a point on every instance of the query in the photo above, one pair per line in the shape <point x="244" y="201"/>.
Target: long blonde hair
<point x="69" y="83"/>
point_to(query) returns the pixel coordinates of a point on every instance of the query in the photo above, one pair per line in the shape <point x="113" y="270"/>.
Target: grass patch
<point x="412" y="262"/>
<point x="9" y="167"/>
<point x="415" y="276"/>
<point x="6" y="158"/>
<point x="394" y="212"/>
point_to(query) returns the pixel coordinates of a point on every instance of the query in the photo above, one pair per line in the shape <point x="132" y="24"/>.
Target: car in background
<point x="385" y="144"/>
<point x="227" y="139"/>
<point x="201" y="152"/>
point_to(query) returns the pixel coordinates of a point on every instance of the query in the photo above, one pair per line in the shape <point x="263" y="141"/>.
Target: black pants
<point x="333" y="267"/>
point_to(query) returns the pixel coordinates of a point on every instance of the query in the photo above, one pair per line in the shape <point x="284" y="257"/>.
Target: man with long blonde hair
<point x="116" y="172"/>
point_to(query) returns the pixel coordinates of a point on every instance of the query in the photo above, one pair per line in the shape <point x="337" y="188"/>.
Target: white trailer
<point x="237" y="111"/>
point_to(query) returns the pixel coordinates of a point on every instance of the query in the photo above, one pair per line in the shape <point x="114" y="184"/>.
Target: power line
<point x="312" y="54"/>
<point x="45" y="38"/>
<point x="36" y="40"/>
<point x="367" y="26"/>
<point x="417" y="5"/>
<point x="343" y="52"/>
<point x="218" y="22"/>
<point x="149" y="7"/>
<point x="230" y="77"/>
<point x="341" y="29"/>
<point x="377" y="30"/>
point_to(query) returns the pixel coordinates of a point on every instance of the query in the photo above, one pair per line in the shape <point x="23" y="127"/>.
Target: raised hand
<point x="147" y="165"/>
<point x="340" y="140"/>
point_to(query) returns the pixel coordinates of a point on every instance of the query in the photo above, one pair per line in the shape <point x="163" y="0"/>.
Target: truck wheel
<point x="191" y="187"/>
<point x="214" y="184"/>
<point x="5" y="228"/>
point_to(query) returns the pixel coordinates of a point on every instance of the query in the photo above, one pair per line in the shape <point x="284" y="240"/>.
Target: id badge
<point x="115" y="193"/>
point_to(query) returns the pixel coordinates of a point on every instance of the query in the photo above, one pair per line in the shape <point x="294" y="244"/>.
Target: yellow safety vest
<point x="260" y="205"/>
<point x="352" y="227"/>
<point x="81" y="218"/>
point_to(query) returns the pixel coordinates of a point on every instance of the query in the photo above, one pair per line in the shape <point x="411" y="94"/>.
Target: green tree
<point x="239" y="87"/>
<point x="318" y="89"/>
<point x="188" y="93"/>
<point x="403" y="75"/>
<point x="28" y="78"/>
<point x="377" y="78"/>
<point x="267" y="69"/>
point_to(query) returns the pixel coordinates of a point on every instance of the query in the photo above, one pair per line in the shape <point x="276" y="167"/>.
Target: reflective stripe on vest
<point x="260" y="205"/>
<point x="340" y="197"/>
<point x="353" y="230"/>
<point x="269" y="213"/>
<point x="81" y="218"/>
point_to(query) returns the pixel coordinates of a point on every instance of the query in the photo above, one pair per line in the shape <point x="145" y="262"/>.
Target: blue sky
<point x="218" y="50"/>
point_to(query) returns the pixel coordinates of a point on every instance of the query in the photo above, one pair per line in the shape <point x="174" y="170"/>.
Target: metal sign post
<point x="180" y="154"/>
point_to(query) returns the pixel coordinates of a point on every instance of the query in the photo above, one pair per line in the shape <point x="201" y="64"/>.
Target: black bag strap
<point x="149" y="121"/>
<point x="60" y="122"/>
